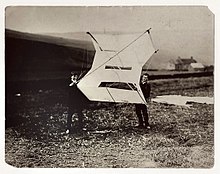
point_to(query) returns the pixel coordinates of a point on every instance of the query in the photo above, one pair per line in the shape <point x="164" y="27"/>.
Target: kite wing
<point x="117" y="66"/>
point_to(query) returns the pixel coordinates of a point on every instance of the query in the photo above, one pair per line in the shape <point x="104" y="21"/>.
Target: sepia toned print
<point x="112" y="87"/>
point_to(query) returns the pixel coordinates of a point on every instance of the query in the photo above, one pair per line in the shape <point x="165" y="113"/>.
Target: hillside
<point x="31" y="57"/>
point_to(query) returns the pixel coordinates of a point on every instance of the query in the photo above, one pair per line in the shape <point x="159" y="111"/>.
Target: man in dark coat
<point x="75" y="103"/>
<point x="141" y="109"/>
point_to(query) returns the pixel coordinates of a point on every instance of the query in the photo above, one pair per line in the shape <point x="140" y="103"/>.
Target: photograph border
<point x="212" y="5"/>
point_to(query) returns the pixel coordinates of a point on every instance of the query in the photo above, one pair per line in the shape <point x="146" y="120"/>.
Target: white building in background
<point x="196" y="67"/>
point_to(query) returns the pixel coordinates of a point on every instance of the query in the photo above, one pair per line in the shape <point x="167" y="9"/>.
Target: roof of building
<point x="183" y="61"/>
<point x="187" y="61"/>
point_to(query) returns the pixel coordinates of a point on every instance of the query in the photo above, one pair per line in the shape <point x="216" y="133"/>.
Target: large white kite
<point x="116" y="69"/>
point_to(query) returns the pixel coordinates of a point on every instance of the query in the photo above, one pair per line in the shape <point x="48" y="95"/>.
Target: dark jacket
<point x="77" y="99"/>
<point x="146" y="90"/>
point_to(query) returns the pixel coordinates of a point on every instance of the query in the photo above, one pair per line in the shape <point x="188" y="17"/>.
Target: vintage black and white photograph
<point x="109" y="86"/>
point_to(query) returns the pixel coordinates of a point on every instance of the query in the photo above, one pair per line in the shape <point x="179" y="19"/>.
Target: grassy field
<point x="180" y="136"/>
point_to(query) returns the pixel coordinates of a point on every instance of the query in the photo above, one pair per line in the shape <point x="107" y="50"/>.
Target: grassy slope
<point x="180" y="136"/>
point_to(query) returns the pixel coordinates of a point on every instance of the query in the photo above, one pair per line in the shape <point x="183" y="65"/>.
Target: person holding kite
<point x="75" y="103"/>
<point x="141" y="109"/>
<point x="116" y="70"/>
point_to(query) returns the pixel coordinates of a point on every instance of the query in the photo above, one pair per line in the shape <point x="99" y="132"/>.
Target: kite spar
<point x="116" y="69"/>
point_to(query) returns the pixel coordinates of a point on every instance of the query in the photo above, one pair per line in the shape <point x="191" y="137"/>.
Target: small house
<point x="196" y="67"/>
<point x="180" y="64"/>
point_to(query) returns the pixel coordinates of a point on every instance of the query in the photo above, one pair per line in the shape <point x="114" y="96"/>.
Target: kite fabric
<point x="117" y="66"/>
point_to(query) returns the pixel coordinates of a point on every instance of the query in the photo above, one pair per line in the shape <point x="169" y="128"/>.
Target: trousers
<point x="142" y="114"/>
<point x="75" y="105"/>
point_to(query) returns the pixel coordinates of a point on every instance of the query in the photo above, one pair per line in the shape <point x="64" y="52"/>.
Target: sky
<point x="183" y="31"/>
